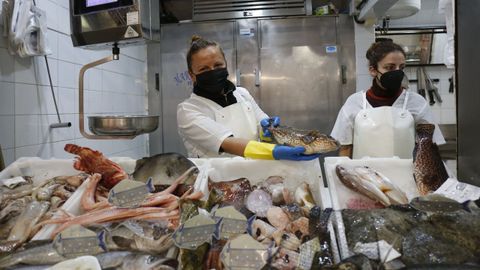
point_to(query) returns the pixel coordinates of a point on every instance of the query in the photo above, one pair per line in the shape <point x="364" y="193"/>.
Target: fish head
<point x="326" y="142"/>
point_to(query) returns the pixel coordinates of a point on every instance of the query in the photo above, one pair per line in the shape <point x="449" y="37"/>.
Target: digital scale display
<point x="94" y="3"/>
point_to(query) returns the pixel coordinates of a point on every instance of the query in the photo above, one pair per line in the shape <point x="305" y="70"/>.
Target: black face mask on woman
<point x="212" y="82"/>
<point x="391" y="81"/>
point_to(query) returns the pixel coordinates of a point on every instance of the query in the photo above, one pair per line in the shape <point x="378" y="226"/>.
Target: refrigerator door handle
<point x="238" y="74"/>
<point x="343" y="74"/>
<point x="257" y="76"/>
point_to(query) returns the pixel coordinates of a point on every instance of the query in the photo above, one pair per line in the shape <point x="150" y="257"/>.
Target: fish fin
<point x="465" y="206"/>
<point x="149" y="185"/>
<point x="218" y="228"/>
<point x="415" y="148"/>
<point x="250" y="224"/>
<point x="101" y="240"/>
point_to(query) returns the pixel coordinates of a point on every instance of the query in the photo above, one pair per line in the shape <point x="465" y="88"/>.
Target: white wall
<point x="364" y="37"/>
<point x="26" y="104"/>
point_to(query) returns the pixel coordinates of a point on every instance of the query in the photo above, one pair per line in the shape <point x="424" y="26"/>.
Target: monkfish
<point x="371" y="183"/>
<point x="428" y="169"/>
<point x="313" y="141"/>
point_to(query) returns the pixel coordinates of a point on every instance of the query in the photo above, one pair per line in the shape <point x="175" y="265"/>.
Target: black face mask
<point x="212" y="81"/>
<point x="391" y="81"/>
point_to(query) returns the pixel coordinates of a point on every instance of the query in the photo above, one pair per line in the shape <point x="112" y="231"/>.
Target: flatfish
<point x="428" y="169"/>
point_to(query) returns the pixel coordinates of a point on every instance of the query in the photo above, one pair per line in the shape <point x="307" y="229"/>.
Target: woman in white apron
<point x="380" y="122"/>
<point x="219" y="118"/>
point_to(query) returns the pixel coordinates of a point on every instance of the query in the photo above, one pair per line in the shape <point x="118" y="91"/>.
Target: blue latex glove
<point x="292" y="153"/>
<point x="267" y="122"/>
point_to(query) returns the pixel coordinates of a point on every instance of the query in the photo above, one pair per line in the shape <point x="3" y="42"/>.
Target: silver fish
<point x="112" y="259"/>
<point x="371" y="183"/>
<point x="40" y="255"/>
<point x="129" y="260"/>
<point x="25" y="222"/>
<point x="14" y="208"/>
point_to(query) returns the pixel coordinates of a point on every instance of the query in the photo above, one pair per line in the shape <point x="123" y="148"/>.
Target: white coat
<point x="343" y="129"/>
<point x="202" y="131"/>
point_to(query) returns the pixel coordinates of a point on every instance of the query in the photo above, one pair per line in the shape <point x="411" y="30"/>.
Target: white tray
<point x="400" y="171"/>
<point x="256" y="171"/>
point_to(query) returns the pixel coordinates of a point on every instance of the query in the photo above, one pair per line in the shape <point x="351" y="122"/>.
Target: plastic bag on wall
<point x="447" y="7"/>
<point x="27" y="29"/>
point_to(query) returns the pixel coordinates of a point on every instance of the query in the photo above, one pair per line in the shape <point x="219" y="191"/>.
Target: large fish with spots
<point x="428" y="169"/>
<point x="313" y="141"/>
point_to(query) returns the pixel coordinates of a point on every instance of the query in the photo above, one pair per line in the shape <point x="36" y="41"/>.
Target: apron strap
<point x="364" y="95"/>
<point x="406" y="100"/>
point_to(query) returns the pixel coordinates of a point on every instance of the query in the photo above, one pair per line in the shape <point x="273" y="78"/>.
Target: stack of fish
<point x="283" y="227"/>
<point x="131" y="218"/>
<point x="24" y="205"/>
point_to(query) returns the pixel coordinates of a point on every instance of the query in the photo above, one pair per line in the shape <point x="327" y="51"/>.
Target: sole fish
<point x="371" y="183"/>
<point x="428" y="169"/>
<point x="313" y="141"/>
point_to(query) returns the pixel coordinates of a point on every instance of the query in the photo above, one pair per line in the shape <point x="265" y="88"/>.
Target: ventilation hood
<point x="240" y="9"/>
<point x="393" y="9"/>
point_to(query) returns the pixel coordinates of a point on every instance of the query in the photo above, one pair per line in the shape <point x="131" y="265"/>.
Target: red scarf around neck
<point x="376" y="99"/>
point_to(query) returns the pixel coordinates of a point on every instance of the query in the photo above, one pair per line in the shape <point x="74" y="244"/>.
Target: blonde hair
<point x="198" y="43"/>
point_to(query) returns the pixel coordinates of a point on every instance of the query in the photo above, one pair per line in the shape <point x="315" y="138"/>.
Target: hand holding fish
<point x="266" y="123"/>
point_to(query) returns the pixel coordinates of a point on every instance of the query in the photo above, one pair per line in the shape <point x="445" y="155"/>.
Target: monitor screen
<point x="94" y="3"/>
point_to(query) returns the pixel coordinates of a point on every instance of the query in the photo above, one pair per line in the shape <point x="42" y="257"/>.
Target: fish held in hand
<point x="313" y="141"/>
<point x="428" y="169"/>
<point x="371" y="183"/>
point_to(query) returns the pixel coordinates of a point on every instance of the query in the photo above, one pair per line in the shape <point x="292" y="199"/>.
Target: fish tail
<point x="150" y="186"/>
<point x="218" y="227"/>
<point x="101" y="240"/>
<point x="466" y="206"/>
<point x="250" y="225"/>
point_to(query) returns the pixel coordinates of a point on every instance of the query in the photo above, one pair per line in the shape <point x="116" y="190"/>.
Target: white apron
<point x="383" y="131"/>
<point x="240" y="118"/>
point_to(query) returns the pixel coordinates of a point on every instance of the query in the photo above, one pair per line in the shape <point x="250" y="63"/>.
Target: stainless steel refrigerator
<point x="299" y="68"/>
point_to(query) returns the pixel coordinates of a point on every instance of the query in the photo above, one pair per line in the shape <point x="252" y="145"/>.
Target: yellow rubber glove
<point x="259" y="150"/>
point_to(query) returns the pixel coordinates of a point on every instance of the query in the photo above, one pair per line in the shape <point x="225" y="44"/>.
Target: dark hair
<point x="198" y="43"/>
<point x="380" y="49"/>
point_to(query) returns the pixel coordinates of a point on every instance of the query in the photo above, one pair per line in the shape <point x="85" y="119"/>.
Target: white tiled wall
<point x="364" y="37"/>
<point x="26" y="104"/>
<point x="445" y="112"/>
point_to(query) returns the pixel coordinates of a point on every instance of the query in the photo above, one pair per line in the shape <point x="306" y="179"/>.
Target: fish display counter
<point x="381" y="219"/>
<point x="213" y="210"/>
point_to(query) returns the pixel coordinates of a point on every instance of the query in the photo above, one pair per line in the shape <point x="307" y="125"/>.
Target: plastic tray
<point x="400" y="171"/>
<point x="256" y="171"/>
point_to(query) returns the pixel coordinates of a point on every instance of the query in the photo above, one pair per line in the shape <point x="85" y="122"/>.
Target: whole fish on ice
<point x="371" y="183"/>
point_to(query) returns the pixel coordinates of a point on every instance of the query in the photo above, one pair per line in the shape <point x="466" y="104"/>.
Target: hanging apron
<point x="383" y="131"/>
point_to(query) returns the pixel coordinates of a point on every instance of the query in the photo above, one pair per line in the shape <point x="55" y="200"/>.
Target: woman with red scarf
<point x="380" y="121"/>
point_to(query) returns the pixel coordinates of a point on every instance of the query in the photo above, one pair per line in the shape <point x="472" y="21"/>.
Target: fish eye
<point x="151" y="259"/>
